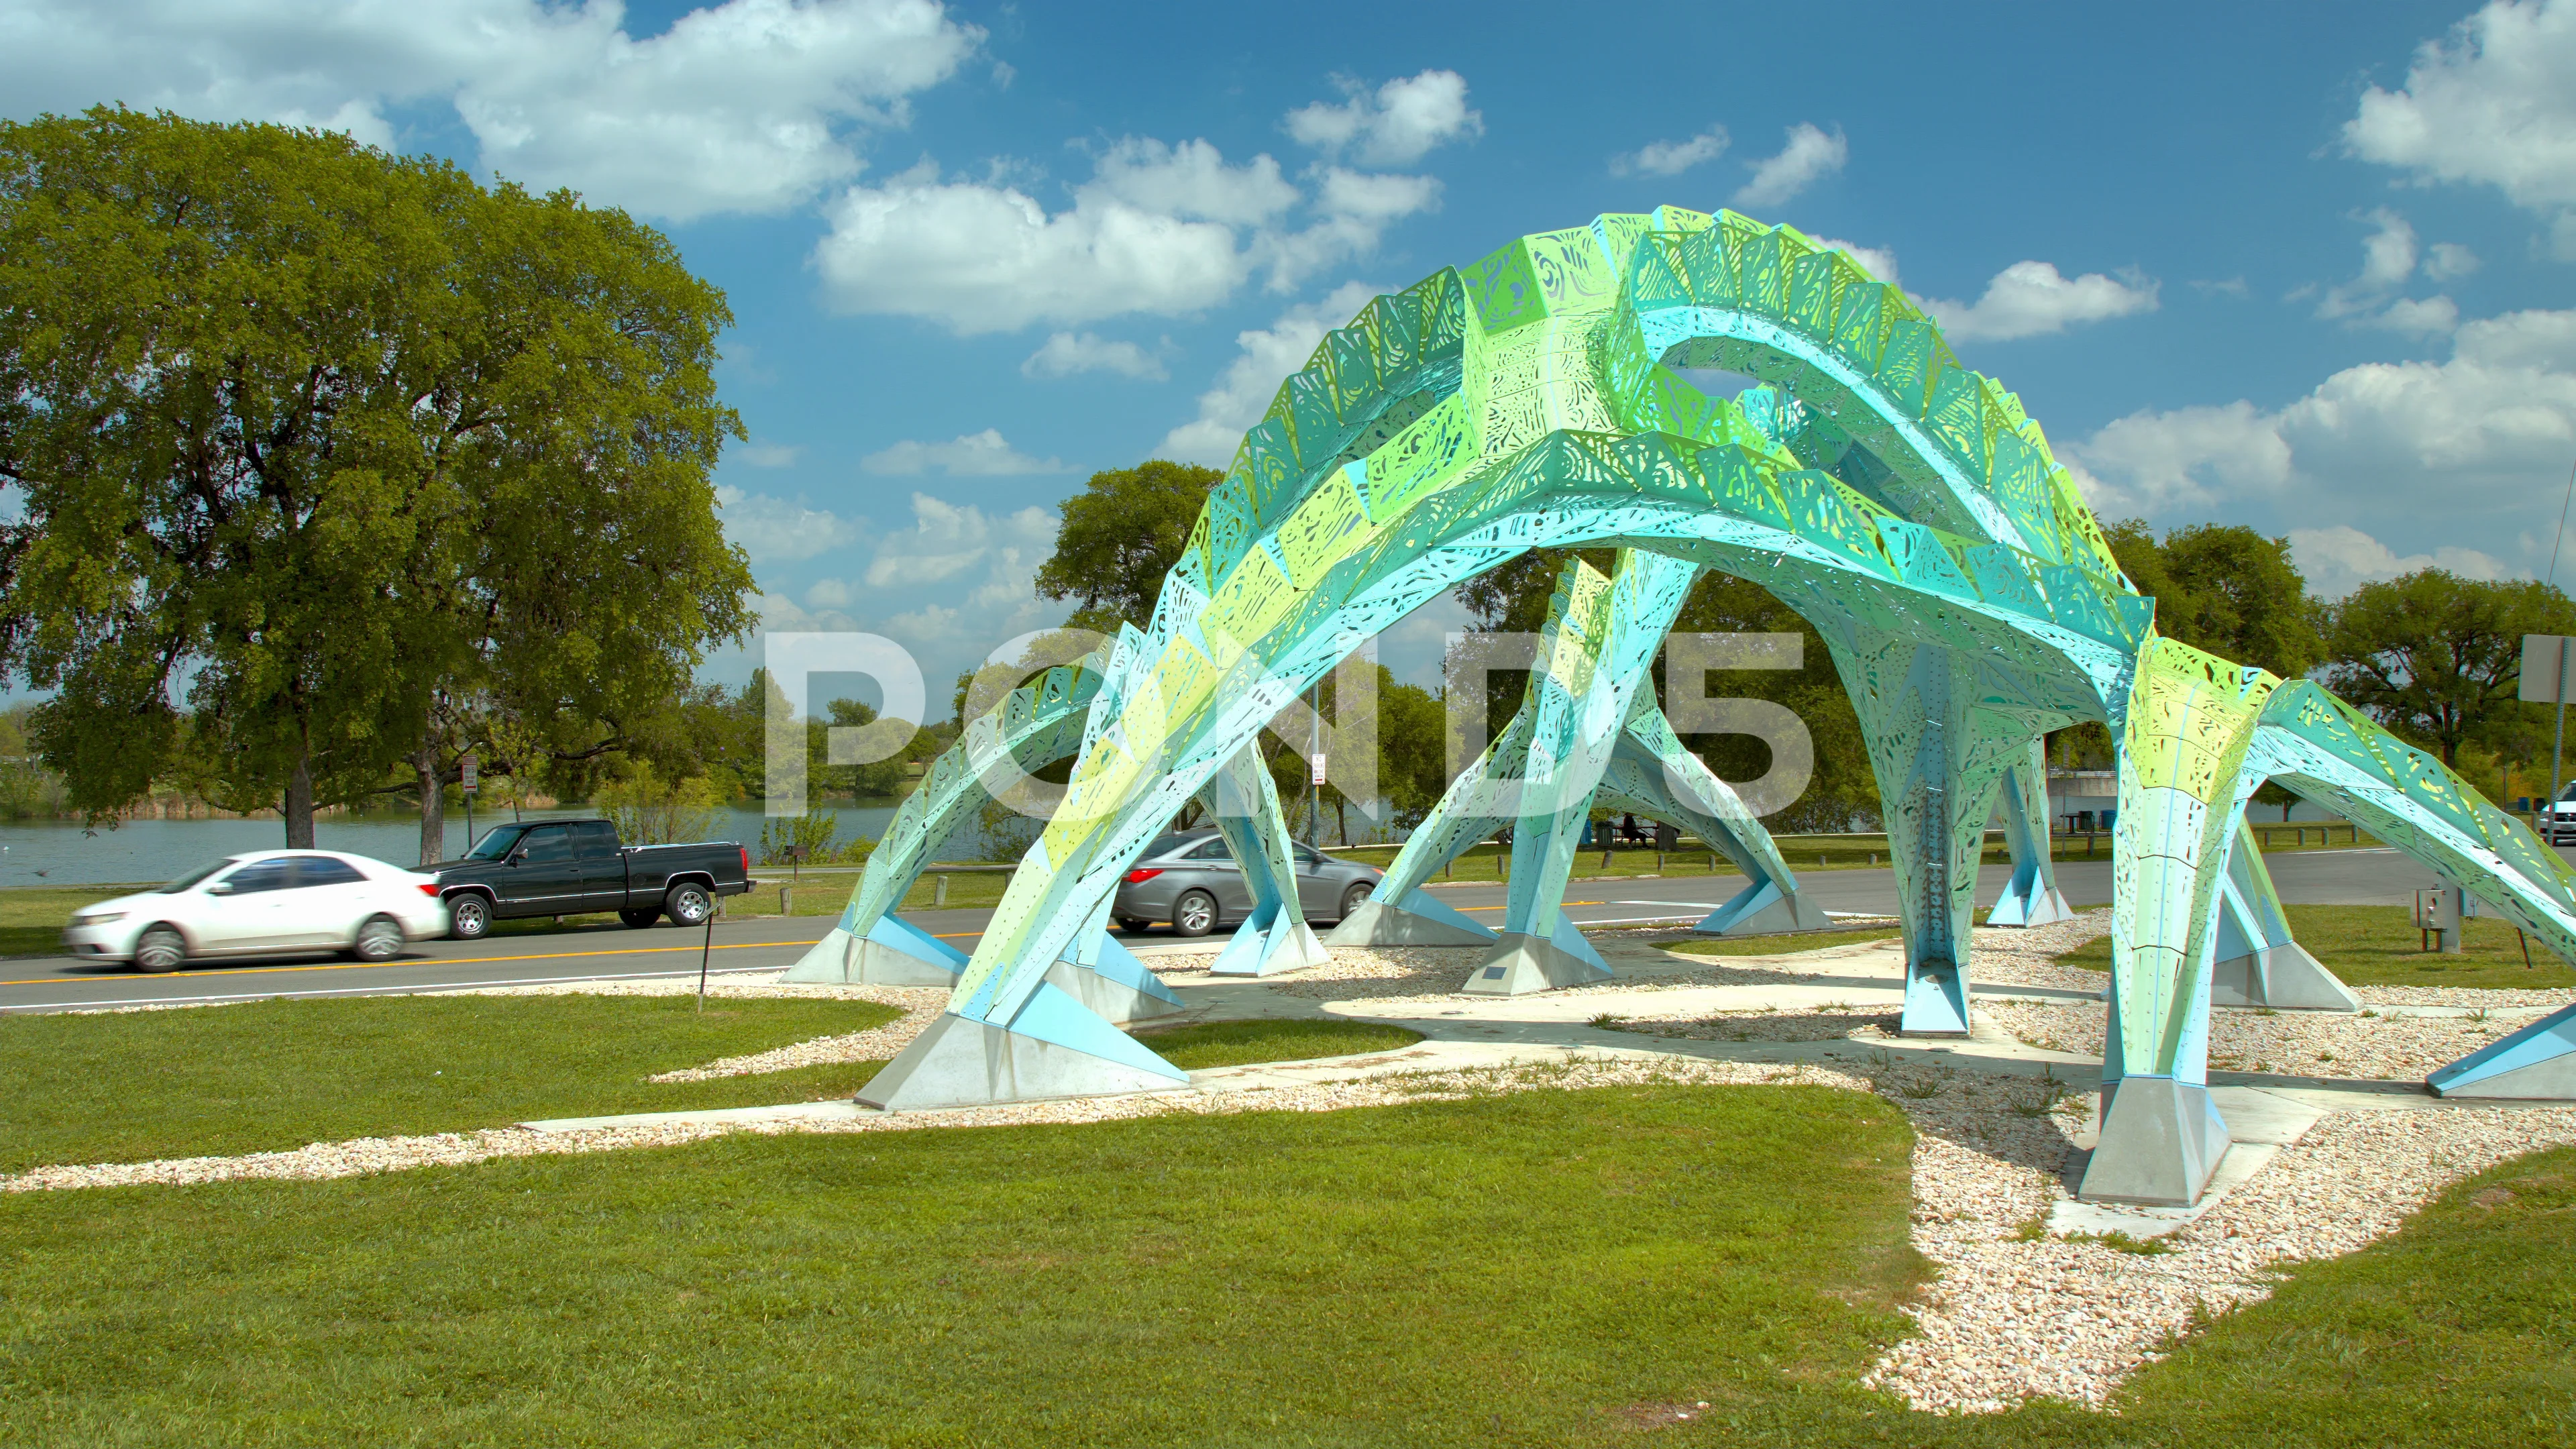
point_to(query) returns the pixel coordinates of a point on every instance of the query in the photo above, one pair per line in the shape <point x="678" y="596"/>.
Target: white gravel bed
<point x="2393" y="1047"/>
<point x="876" y="1044"/>
<point x="324" y="1160"/>
<point x="1383" y="973"/>
<point x="2014" y="1319"/>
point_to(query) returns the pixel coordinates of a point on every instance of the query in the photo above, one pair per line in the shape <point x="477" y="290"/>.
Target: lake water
<point x="58" y="852"/>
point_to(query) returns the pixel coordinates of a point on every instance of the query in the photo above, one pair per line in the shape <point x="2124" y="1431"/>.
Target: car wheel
<point x="161" y="948"/>
<point x="1194" y="914"/>
<point x="1354" y="898"/>
<point x="1132" y="924"/>
<point x="639" y="919"/>
<point x="380" y="938"/>
<point x="688" y="904"/>
<point x="469" y="917"/>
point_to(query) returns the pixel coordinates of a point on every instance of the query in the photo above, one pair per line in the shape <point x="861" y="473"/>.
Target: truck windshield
<point x="2570" y="792"/>
<point x="498" y="844"/>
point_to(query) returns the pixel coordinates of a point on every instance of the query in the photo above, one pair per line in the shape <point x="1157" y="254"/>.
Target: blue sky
<point x="2308" y="267"/>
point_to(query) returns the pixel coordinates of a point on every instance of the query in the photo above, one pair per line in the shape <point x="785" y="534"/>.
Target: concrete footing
<point x="1936" y="999"/>
<point x="2535" y="1063"/>
<point x="1520" y="963"/>
<point x="2283" y="977"/>
<point x="894" y="953"/>
<point x="1377" y="923"/>
<point x="1054" y="1048"/>
<point x="2161" y="1143"/>
<point x="1266" y="948"/>
<point x="1763" y="909"/>
<point x="2035" y="905"/>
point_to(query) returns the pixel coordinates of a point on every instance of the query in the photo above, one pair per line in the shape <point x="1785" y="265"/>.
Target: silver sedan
<point x="1193" y="882"/>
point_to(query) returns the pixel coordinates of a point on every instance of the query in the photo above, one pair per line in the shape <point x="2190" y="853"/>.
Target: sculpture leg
<point x="1402" y="913"/>
<point x="2030" y="898"/>
<point x="1275" y="937"/>
<point x="2183" y="740"/>
<point x="1600" y="643"/>
<point x="1652" y="774"/>
<point x="1035" y="725"/>
<point x="1937" y="757"/>
<point x="2256" y="962"/>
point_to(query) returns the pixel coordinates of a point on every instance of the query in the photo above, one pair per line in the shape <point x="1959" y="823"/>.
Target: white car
<point x="269" y="902"/>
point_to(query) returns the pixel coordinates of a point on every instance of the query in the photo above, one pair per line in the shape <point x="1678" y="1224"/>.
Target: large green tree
<point x="321" y="454"/>
<point x="2227" y="589"/>
<point x="2438" y="659"/>
<point x="1122" y="533"/>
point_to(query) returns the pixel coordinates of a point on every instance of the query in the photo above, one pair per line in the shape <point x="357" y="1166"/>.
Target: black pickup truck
<point x="565" y="867"/>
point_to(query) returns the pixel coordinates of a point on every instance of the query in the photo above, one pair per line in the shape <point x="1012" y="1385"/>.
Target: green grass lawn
<point x="2376" y="946"/>
<point x="279" y="1074"/>
<point x="1777" y="945"/>
<point x="1541" y="1268"/>
<point x="2461" y="1329"/>
<point x="1239" y="1043"/>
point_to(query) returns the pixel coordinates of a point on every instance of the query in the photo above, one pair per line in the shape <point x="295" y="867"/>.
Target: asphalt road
<point x="2336" y="877"/>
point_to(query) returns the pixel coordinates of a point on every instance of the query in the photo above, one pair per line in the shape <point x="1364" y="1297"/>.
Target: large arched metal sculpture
<point x="1900" y="502"/>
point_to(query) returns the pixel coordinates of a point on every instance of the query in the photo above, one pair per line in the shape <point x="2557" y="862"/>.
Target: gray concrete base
<point x="1117" y="1002"/>
<point x="838" y="960"/>
<point x="963" y="1063"/>
<point x="2284" y="978"/>
<point x="1376" y="923"/>
<point x="1522" y="963"/>
<point x="1288" y="946"/>
<point x="2161" y="1143"/>
<point x="1792" y="912"/>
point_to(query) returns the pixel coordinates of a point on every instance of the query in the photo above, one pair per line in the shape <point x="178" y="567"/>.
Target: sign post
<point x="2544" y="681"/>
<point x="473" y="779"/>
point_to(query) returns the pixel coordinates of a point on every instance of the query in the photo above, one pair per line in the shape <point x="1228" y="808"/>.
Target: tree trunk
<point x="298" y="806"/>
<point x="433" y="804"/>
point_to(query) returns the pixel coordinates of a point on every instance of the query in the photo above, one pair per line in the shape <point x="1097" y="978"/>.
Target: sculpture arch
<point x="1900" y="502"/>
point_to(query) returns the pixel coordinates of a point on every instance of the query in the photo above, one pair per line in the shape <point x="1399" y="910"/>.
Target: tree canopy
<point x="1121" y="534"/>
<point x="2437" y="659"/>
<point x="2227" y="589"/>
<point x="339" y="449"/>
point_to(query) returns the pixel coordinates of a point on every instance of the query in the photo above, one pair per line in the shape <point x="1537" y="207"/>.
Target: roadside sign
<point x="471" y="776"/>
<point x="1319" y="769"/>
<point x="2545" y="669"/>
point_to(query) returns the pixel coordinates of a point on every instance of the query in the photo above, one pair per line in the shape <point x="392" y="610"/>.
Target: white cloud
<point x="2341" y="558"/>
<point x="1880" y="262"/>
<point x="989" y="259"/>
<point x="1398" y="124"/>
<point x="1808" y="156"/>
<point x="1158" y="229"/>
<point x="765" y="455"/>
<point x="2388" y="258"/>
<point x="1243" y="392"/>
<point x="970" y="455"/>
<point x="748" y="106"/>
<point x="1067" y="353"/>
<point x="2446" y="260"/>
<point x="947" y="539"/>
<point x="2466" y="454"/>
<point x="2028" y="299"/>
<point x="1192" y="180"/>
<point x="2490" y="104"/>
<point x="774" y="530"/>
<point x="2428" y="317"/>
<point x="1672" y="158"/>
